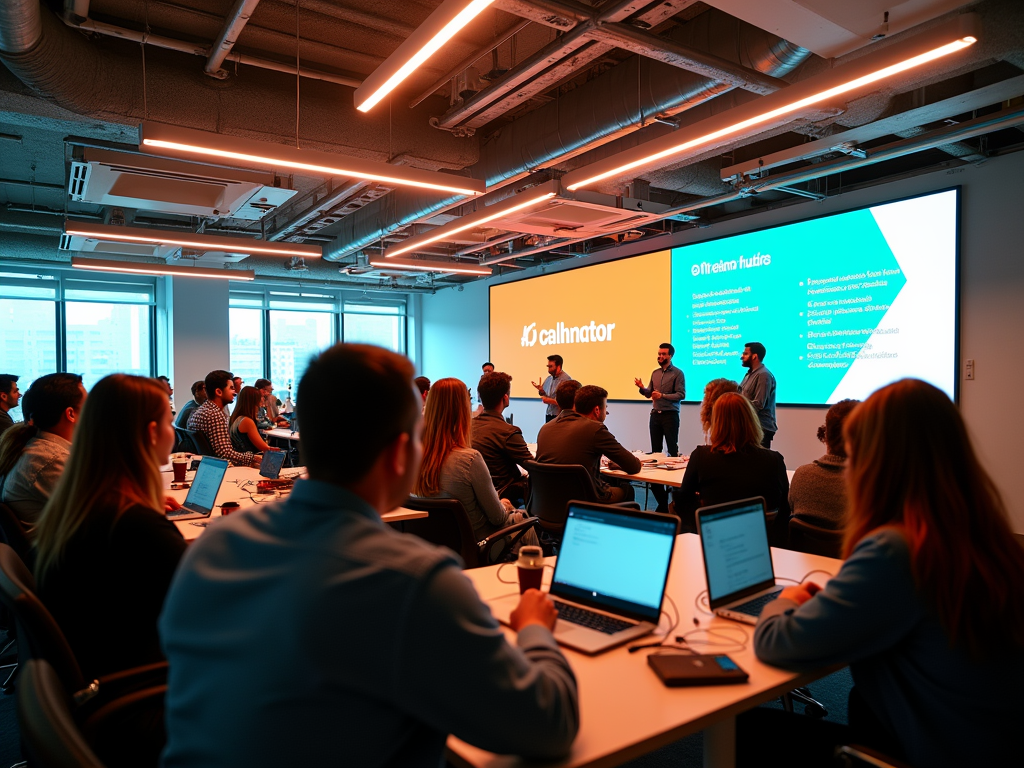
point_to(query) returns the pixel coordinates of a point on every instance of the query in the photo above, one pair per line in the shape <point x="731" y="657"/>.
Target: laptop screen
<point x="734" y="538"/>
<point x="206" y="485"/>
<point x="270" y="465"/>
<point x="616" y="561"/>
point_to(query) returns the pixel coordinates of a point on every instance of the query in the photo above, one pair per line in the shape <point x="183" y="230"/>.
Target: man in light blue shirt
<point x="307" y="632"/>
<point x="547" y="390"/>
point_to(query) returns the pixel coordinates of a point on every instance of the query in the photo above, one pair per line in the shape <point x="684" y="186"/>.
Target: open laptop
<point x="610" y="576"/>
<point x="203" y="494"/>
<point x="737" y="559"/>
<point x="271" y="463"/>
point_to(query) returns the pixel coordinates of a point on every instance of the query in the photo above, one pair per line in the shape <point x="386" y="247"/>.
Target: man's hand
<point x="535" y="607"/>
<point x="538" y="385"/>
<point x="655" y="395"/>
<point x="800" y="594"/>
<point x="171" y="504"/>
<point x="256" y="461"/>
<point x="639" y="383"/>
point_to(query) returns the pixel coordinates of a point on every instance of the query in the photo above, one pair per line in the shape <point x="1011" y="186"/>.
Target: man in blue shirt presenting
<point x="547" y="390"/>
<point x="758" y="386"/>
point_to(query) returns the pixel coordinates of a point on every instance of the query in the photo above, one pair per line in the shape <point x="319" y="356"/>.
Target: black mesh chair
<point x="447" y="525"/>
<point x="814" y="539"/>
<point x="14" y="533"/>
<point x="191" y="441"/>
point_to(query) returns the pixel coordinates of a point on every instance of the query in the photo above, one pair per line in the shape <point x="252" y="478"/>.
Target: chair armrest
<point x="117" y="684"/>
<point x="514" y="533"/>
<point x="854" y="754"/>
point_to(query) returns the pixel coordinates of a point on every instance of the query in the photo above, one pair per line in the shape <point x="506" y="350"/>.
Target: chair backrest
<point x="14" y="533"/>
<point x="446" y="525"/>
<point x="129" y="730"/>
<point x="552" y="487"/>
<point x="200" y="442"/>
<point x="813" y="539"/>
<point x="39" y="637"/>
<point x="49" y="733"/>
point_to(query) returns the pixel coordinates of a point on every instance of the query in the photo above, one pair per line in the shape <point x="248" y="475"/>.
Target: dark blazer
<point x="575" y="439"/>
<point x="502" y="446"/>
<point x="714" y="478"/>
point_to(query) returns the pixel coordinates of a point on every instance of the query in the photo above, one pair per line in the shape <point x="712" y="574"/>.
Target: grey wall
<point x="455" y="335"/>
<point x="199" y="338"/>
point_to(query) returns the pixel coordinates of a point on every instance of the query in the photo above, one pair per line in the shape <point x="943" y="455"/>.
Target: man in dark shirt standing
<point x="9" y="397"/>
<point x="666" y="390"/>
<point x="758" y="386"/>
<point x="501" y="444"/>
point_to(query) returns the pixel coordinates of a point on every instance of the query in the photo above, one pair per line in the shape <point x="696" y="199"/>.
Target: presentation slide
<point x="844" y="304"/>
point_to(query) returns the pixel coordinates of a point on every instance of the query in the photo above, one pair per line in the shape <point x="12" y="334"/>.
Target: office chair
<point x="14" y="533"/>
<point x="814" y="539"/>
<point x="447" y="525"/>
<point x="200" y="441"/>
<point x="852" y="755"/>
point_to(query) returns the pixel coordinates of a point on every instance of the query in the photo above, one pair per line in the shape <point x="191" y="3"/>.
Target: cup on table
<point x="531" y="568"/>
<point x="179" y="463"/>
<point x="228" y="507"/>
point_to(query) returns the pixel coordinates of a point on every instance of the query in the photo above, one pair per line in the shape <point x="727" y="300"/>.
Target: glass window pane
<point x="246" y="332"/>
<point x="107" y="338"/>
<point x="376" y="309"/>
<point x="383" y="330"/>
<point x="121" y="292"/>
<point x="294" y="338"/>
<point x="28" y="342"/>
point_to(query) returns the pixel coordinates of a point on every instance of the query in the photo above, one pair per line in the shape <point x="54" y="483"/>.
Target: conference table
<point x="240" y="486"/>
<point x="625" y="711"/>
<point x="660" y="469"/>
<point x="283" y="433"/>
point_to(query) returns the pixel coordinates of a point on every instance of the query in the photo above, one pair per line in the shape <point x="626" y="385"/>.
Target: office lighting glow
<point x="766" y="111"/>
<point x="478" y="218"/>
<point x="140" y="268"/>
<point x="424" y="42"/>
<point x="172" y="141"/>
<point x="189" y="240"/>
<point x="430" y="266"/>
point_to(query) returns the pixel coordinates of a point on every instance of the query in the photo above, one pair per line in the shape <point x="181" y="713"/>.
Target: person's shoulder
<point x="139" y="517"/>
<point x="887" y="542"/>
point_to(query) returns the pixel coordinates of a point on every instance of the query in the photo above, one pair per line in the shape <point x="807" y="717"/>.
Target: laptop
<point x="737" y="559"/>
<point x="270" y="465"/>
<point x="203" y="493"/>
<point x="610" y="576"/>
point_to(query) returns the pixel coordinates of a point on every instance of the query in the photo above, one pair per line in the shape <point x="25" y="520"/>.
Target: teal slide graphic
<point x="812" y="292"/>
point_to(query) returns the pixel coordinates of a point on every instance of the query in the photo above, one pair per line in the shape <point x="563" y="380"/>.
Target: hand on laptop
<point x="534" y="607"/>
<point x="800" y="594"/>
<point x="171" y="504"/>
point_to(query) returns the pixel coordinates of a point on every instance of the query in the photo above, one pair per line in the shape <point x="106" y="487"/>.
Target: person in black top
<point x="735" y="466"/>
<point x="105" y="552"/>
<point x="9" y="396"/>
<point x="501" y="444"/>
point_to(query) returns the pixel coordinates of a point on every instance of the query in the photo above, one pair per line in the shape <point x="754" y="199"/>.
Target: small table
<point x="282" y="433"/>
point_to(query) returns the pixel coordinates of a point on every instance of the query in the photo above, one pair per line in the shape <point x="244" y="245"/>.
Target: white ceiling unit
<point x="98" y="245"/>
<point x="147" y="183"/>
<point x="588" y="214"/>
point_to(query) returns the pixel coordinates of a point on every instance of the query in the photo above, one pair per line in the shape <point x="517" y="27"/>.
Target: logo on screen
<point x="529" y="335"/>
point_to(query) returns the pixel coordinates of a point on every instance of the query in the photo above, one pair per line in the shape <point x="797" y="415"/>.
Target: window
<point x="107" y="338"/>
<point x="294" y="338"/>
<point x="246" y="331"/>
<point x="29" y="341"/>
<point x="380" y="325"/>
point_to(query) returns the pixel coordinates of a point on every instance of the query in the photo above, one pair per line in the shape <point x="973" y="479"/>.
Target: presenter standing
<point x="758" y="386"/>
<point x="547" y="390"/>
<point x="666" y="390"/>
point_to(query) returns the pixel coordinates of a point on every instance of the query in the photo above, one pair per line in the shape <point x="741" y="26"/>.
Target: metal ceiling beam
<point x="236" y="20"/>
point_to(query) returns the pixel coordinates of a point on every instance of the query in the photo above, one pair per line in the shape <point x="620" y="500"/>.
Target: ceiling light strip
<point x="172" y="141"/>
<point x="424" y="42"/>
<point x="429" y="266"/>
<point x="922" y="49"/>
<point x="189" y="240"/>
<point x="140" y="268"/>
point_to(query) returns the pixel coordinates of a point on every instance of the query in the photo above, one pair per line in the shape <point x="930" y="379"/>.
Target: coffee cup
<point x="179" y="463"/>
<point x="228" y="507"/>
<point x="531" y="568"/>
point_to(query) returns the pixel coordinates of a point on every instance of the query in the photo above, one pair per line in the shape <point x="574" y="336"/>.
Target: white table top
<point x="625" y="711"/>
<point x="282" y="432"/>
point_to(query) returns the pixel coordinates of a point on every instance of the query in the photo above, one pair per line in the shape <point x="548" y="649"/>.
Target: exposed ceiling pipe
<point x="236" y="20"/>
<point x="319" y="209"/>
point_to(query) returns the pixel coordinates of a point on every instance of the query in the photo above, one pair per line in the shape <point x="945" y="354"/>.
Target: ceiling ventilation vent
<point x="590" y="214"/>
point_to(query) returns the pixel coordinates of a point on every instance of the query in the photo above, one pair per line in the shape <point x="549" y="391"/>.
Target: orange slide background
<point x="633" y="293"/>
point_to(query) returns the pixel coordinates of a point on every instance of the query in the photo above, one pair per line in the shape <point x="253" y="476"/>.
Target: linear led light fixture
<point x="424" y="42"/>
<point x="172" y="141"/>
<point x="430" y="266"/>
<point x="490" y="213"/>
<point x="779" y="107"/>
<point x="189" y="240"/>
<point x="141" y="268"/>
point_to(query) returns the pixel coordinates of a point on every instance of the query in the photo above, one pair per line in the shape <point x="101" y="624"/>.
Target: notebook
<point x="203" y="494"/>
<point x="270" y="465"/>
<point x="610" y="576"/>
<point x="737" y="559"/>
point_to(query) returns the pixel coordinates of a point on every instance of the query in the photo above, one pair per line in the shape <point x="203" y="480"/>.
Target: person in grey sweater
<point x="928" y="609"/>
<point x="817" y="492"/>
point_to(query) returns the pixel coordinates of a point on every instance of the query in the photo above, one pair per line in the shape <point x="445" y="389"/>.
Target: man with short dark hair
<point x="500" y="443"/>
<point x="381" y="645"/>
<point x="666" y="390"/>
<point x="487" y="367"/>
<point x="209" y="419"/>
<point x="269" y="416"/>
<point x="547" y="390"/>
<point x="198" y="398"/>
<point x="580" y="437"/>
<point x="758" y="386"/>
<point x="423" y="385"/>
<point x="9" y="396"/>
<point x="565" y="396"/>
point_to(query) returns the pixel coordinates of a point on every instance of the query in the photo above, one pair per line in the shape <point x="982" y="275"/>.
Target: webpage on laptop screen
<point x="735" y="550"/>
<point x="205" y="486"/>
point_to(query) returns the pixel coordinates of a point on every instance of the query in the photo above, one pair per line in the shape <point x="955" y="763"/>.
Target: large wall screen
<point x="844" y="304"/>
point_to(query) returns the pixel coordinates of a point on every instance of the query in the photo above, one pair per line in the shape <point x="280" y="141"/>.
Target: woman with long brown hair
<point x="928" y="609"/>
<point x="713" y="390"/>
<point x="452" y="469"/>
<point x="245" y="435"/>
<point x="105" y="551"/>
<point x="734" y="466"/>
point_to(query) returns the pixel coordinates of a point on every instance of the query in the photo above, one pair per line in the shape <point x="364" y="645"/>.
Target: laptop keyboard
<point x="590" y="619"/>
<point x="755" y="606"/>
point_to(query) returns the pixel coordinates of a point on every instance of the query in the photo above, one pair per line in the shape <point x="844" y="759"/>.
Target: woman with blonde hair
<point x="105" y="552"/>
<point x="734" y="466"/>
<point x="451" y="469"/>
<point x="712" y="391"/>
<point x="928" y="609"/>
<point x="245" y="435"/>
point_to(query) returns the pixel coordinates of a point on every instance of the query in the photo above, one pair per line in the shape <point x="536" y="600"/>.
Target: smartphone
<point x="682" y="669"/>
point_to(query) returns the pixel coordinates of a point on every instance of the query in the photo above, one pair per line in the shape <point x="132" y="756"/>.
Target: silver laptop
<point x="610" y="576"/>
<point x="202" y="496"/>
<point x="737" y="559"/>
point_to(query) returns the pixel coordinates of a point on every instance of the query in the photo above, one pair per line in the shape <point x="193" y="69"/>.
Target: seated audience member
<point x="209" y="419"/>
<point x="817" y="493"/>
<point x="565" y="396"/>
<point x="734" y="466"/>
<point x="713" y="390"/>
<point x="105" y="551"/>
<point x="269" y="413"/>
<point x="9" y="396"/>
<point x="487" y="367"/>
<point x="423" y="385"/>
<point x="451" y="469"/>
<point x="927" y="609"/>
<point x="35" y="454"/>
<point x="377" y="637"/>
<point x="245" y="435"/>
<point x="580" y="437"/>
<point x="198" y="398"/>
<point x="501" y="444"/>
